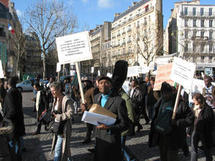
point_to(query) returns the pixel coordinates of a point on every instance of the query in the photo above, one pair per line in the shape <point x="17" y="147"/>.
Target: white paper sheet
<point x="96" y="119"/>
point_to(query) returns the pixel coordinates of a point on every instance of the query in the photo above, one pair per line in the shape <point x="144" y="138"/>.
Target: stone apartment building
<point x="33" y="62"/>
<point x="190" y="32"/>
<point x="137" y="33"/>
<point x="98" y="37"/>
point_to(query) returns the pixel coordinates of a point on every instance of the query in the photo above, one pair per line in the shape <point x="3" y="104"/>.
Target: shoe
<point x="92" y="150"/>
<point x="86" y="141"/>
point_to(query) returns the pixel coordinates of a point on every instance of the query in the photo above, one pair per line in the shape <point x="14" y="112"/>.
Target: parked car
<point x="25" y="86"/>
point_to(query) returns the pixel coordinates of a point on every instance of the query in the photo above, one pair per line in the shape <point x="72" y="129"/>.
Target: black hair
<point x="12" y="81"/>
<point x="166" y="91"/>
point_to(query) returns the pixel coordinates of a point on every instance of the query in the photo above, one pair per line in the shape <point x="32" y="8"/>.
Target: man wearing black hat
<point x="108" y="138"/>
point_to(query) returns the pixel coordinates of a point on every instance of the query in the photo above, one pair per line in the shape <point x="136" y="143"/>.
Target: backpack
<point x="162" y="124"/>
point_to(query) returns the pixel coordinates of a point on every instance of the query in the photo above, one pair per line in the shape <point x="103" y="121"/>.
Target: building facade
<point x="191" y="33"/>
<point x="98" y="37"/>
<point x="10" y="34"/>
<point x="33" y="62"/>
<point x="137" y="34"/>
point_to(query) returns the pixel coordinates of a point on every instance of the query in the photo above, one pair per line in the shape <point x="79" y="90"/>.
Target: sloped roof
<point x="137" y="5"/>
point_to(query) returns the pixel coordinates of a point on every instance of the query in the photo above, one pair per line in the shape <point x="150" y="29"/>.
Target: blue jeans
<point x="58" y="149"/>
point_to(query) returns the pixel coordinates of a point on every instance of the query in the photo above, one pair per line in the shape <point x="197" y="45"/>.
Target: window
<point x="202" y="59"/>
<point x="202" y="34"/>
<point x="194" y="22"/>
<point x="202" y="47"/>
<point x="194" y="47"/>
<point x="210" y="35"/>
<point x="185" y="10"/>
<point x="194" y="34"/>
<point x="210" y="23"/>
<point x="186" y="34"/>
<point x="2" y="33"/>
<point x="185" y="22"/>
<point x="145" y="21"/>
<point x="210" y="59"/>
<point x="210" y="11"/>
<point x="202" y="11"/>
<point x="202" y="23"/>
<point x="194" y="11"/>
<point x="186" y="47"/>
<point x="210" y="47"/>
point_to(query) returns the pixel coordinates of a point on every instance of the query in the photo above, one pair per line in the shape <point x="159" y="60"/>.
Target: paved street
<point x="38" y="147"/>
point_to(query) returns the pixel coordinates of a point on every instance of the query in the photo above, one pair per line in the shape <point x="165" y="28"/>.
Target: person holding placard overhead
<point x="108" y="138"/>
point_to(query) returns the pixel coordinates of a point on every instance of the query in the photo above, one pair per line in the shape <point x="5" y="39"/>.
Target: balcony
<point x="123" y="32"/>
<point x="118" y="34"/>
<point x="197" y="15"/>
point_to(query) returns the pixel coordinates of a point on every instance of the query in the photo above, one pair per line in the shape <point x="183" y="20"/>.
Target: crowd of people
<point x="56" y="102"/>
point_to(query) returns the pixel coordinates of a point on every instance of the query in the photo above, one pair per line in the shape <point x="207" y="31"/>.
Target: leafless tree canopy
<point x="49" y="19"/>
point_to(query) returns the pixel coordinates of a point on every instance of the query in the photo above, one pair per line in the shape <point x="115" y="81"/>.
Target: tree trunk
<point x="44" y="65"/>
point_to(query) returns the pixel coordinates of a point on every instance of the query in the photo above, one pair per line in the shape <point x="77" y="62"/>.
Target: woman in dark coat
<point x="170" y="142"/>
<point x="202" y="129"/>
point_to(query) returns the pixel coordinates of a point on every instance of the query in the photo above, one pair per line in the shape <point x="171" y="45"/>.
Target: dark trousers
<point x="143" y="112"/>
<point x="166" y="153"/>
<point x="89" y="131"/>
<point x="194" y="148"/>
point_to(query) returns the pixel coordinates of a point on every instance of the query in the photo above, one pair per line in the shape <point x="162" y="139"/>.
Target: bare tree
<point x="144" y="43"/>
<point x="49" y="19"/>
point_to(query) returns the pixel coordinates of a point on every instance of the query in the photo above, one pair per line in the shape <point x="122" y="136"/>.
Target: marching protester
<point x="209" y="91"/>
<point x="137" y="103"/>
<point x="89" y="92"/>
<point x="108" y="138"/>
<point x="166" y="133"/>
<point x="202" y="127"/>
<point x="151" y="98"/>
<point x="13" y="112"/>
<point x="41" y="105"/>
<point x="62" y="113"/>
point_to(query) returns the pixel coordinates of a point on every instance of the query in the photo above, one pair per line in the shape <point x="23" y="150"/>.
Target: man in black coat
<point x="13" y="112"/>
<point x="108" y="138"/>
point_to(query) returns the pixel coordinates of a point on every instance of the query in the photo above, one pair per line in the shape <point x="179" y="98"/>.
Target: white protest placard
<point x="1" y="70"/>
<point x="109" y="75"/>
<point x="92" y="69"/>
<point x="74" y="48"/>
<point x="58" y="67"/>
<point x="133" y="71"/>
<point x="183" y="72"/>
<point x="144" y="69"/>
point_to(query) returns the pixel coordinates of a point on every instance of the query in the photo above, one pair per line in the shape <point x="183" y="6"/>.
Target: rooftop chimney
<point x="116" y="14"/>
<point x="134" y="3"/>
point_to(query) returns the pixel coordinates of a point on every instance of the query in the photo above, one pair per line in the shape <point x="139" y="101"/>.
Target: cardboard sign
<point x="183" y="72"/>
<point x="1" y="70"/>
<point x="163" y="75"/>
<point x="74" y="48"/>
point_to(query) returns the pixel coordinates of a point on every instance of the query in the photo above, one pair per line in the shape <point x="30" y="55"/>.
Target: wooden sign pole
<point x="79" y="82"/>
<point x="176" y="102"/>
